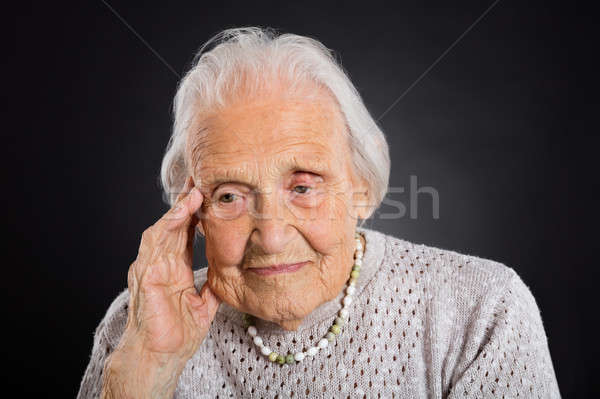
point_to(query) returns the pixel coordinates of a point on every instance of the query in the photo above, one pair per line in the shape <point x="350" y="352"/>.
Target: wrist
<point x="132" y="372"/>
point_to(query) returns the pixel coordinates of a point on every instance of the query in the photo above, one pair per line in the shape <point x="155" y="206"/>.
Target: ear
<point x="360" y="197"/>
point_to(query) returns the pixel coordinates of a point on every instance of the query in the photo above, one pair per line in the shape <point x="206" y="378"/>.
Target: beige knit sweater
<point x="425" y="322"/>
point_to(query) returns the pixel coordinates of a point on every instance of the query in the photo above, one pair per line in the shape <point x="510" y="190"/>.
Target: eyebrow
<point x="237" y="176"/>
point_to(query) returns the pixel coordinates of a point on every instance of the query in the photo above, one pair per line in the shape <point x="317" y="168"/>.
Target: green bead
<point x="356" y="268"/>
<point x="330" y="336"/>
<point x="273" y="356"/>
<point x="354" y="274"/>
<point x="289" y="359"/>
<point x="335" y="329"/>
<point x="280" y="359"/>
<point x="340" y="321"/>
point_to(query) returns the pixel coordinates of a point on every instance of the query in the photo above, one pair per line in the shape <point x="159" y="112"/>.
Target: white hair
<point x="259" y="52"/>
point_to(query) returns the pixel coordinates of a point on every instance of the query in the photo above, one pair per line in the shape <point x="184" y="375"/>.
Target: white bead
<point x="258" y="341"/>
<point x="252" y="331"/>
<point x="312" y="351"/>
<point x="265" y="350"/>
<point x="350" y="290"/>
<point x="344" y="313"/>
<point x="358" y="262"/>
<point x="347" y="300"/>
<point x="323" y="343"/>
<point x="299" y="356"/>
<point x="359" y="255"/>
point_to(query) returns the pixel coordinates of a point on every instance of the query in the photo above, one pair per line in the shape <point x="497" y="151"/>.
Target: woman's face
<point x="279" y="188"/>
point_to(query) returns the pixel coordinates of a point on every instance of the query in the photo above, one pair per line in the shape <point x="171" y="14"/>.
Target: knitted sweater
<point x="425" y="322"/>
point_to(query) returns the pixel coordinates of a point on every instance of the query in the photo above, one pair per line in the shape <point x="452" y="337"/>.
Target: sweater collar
<point x="372" y="258"/>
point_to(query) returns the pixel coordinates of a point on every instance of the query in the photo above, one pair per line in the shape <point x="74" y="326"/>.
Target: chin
<point x="294" y="308"/>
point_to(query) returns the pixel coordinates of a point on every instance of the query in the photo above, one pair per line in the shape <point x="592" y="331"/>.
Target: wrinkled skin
<point x="271" y="183"/>
<point x="279" y="187"/>
<point x="164" y="303"/>
<point x="167" y="318"/>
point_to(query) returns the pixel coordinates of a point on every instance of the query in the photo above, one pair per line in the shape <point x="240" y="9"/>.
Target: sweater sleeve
<point x="106" y="338"/>
<point x="511" y="358"/>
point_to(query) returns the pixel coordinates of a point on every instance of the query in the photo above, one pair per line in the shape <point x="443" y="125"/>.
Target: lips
<point x="283" y="268"/>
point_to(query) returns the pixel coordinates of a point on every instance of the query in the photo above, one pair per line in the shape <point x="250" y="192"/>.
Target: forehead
<point x="272" y="132"/>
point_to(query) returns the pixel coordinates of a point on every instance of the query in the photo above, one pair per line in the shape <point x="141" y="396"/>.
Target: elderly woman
<point x="276" y="159"/>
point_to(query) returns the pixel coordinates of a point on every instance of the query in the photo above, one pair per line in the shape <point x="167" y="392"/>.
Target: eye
<point x="227" y="197"/>
<point x="301" y="189"/>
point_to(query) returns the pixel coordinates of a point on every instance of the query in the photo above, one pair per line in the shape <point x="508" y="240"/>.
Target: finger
<point x="182" y="213"/>
<point x="209" y="296"/>
<point x="187" y="186"/>
<point x="174" y="231"/>
<point x="185" y="190"/>
<point x="204" y="306"/>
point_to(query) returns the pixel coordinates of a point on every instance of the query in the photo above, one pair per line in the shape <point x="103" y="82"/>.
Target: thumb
<point x="203" y="306"/>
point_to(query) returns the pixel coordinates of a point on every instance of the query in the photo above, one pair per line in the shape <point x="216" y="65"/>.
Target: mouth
<point x="282" y="268"/>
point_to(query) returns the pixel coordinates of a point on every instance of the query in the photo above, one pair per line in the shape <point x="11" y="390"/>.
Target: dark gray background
<point x="498" y="126"/>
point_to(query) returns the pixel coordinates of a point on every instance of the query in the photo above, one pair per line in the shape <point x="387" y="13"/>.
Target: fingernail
<point x="195" y="193"/>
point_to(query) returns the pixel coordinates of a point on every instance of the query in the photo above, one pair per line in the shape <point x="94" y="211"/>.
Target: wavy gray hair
<point x="256" y="51"/>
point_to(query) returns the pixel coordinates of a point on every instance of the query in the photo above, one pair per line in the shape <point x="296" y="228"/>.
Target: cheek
<point x="328" y="229"/>
<point x="225" y="242"/>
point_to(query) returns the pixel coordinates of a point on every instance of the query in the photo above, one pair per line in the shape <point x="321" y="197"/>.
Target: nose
<point x="272" y="231"/>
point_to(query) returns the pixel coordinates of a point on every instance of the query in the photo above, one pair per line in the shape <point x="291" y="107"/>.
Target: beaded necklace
<point x="334" y="330"/>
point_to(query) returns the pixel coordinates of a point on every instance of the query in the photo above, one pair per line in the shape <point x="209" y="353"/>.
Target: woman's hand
<point x="167" y="318"/>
